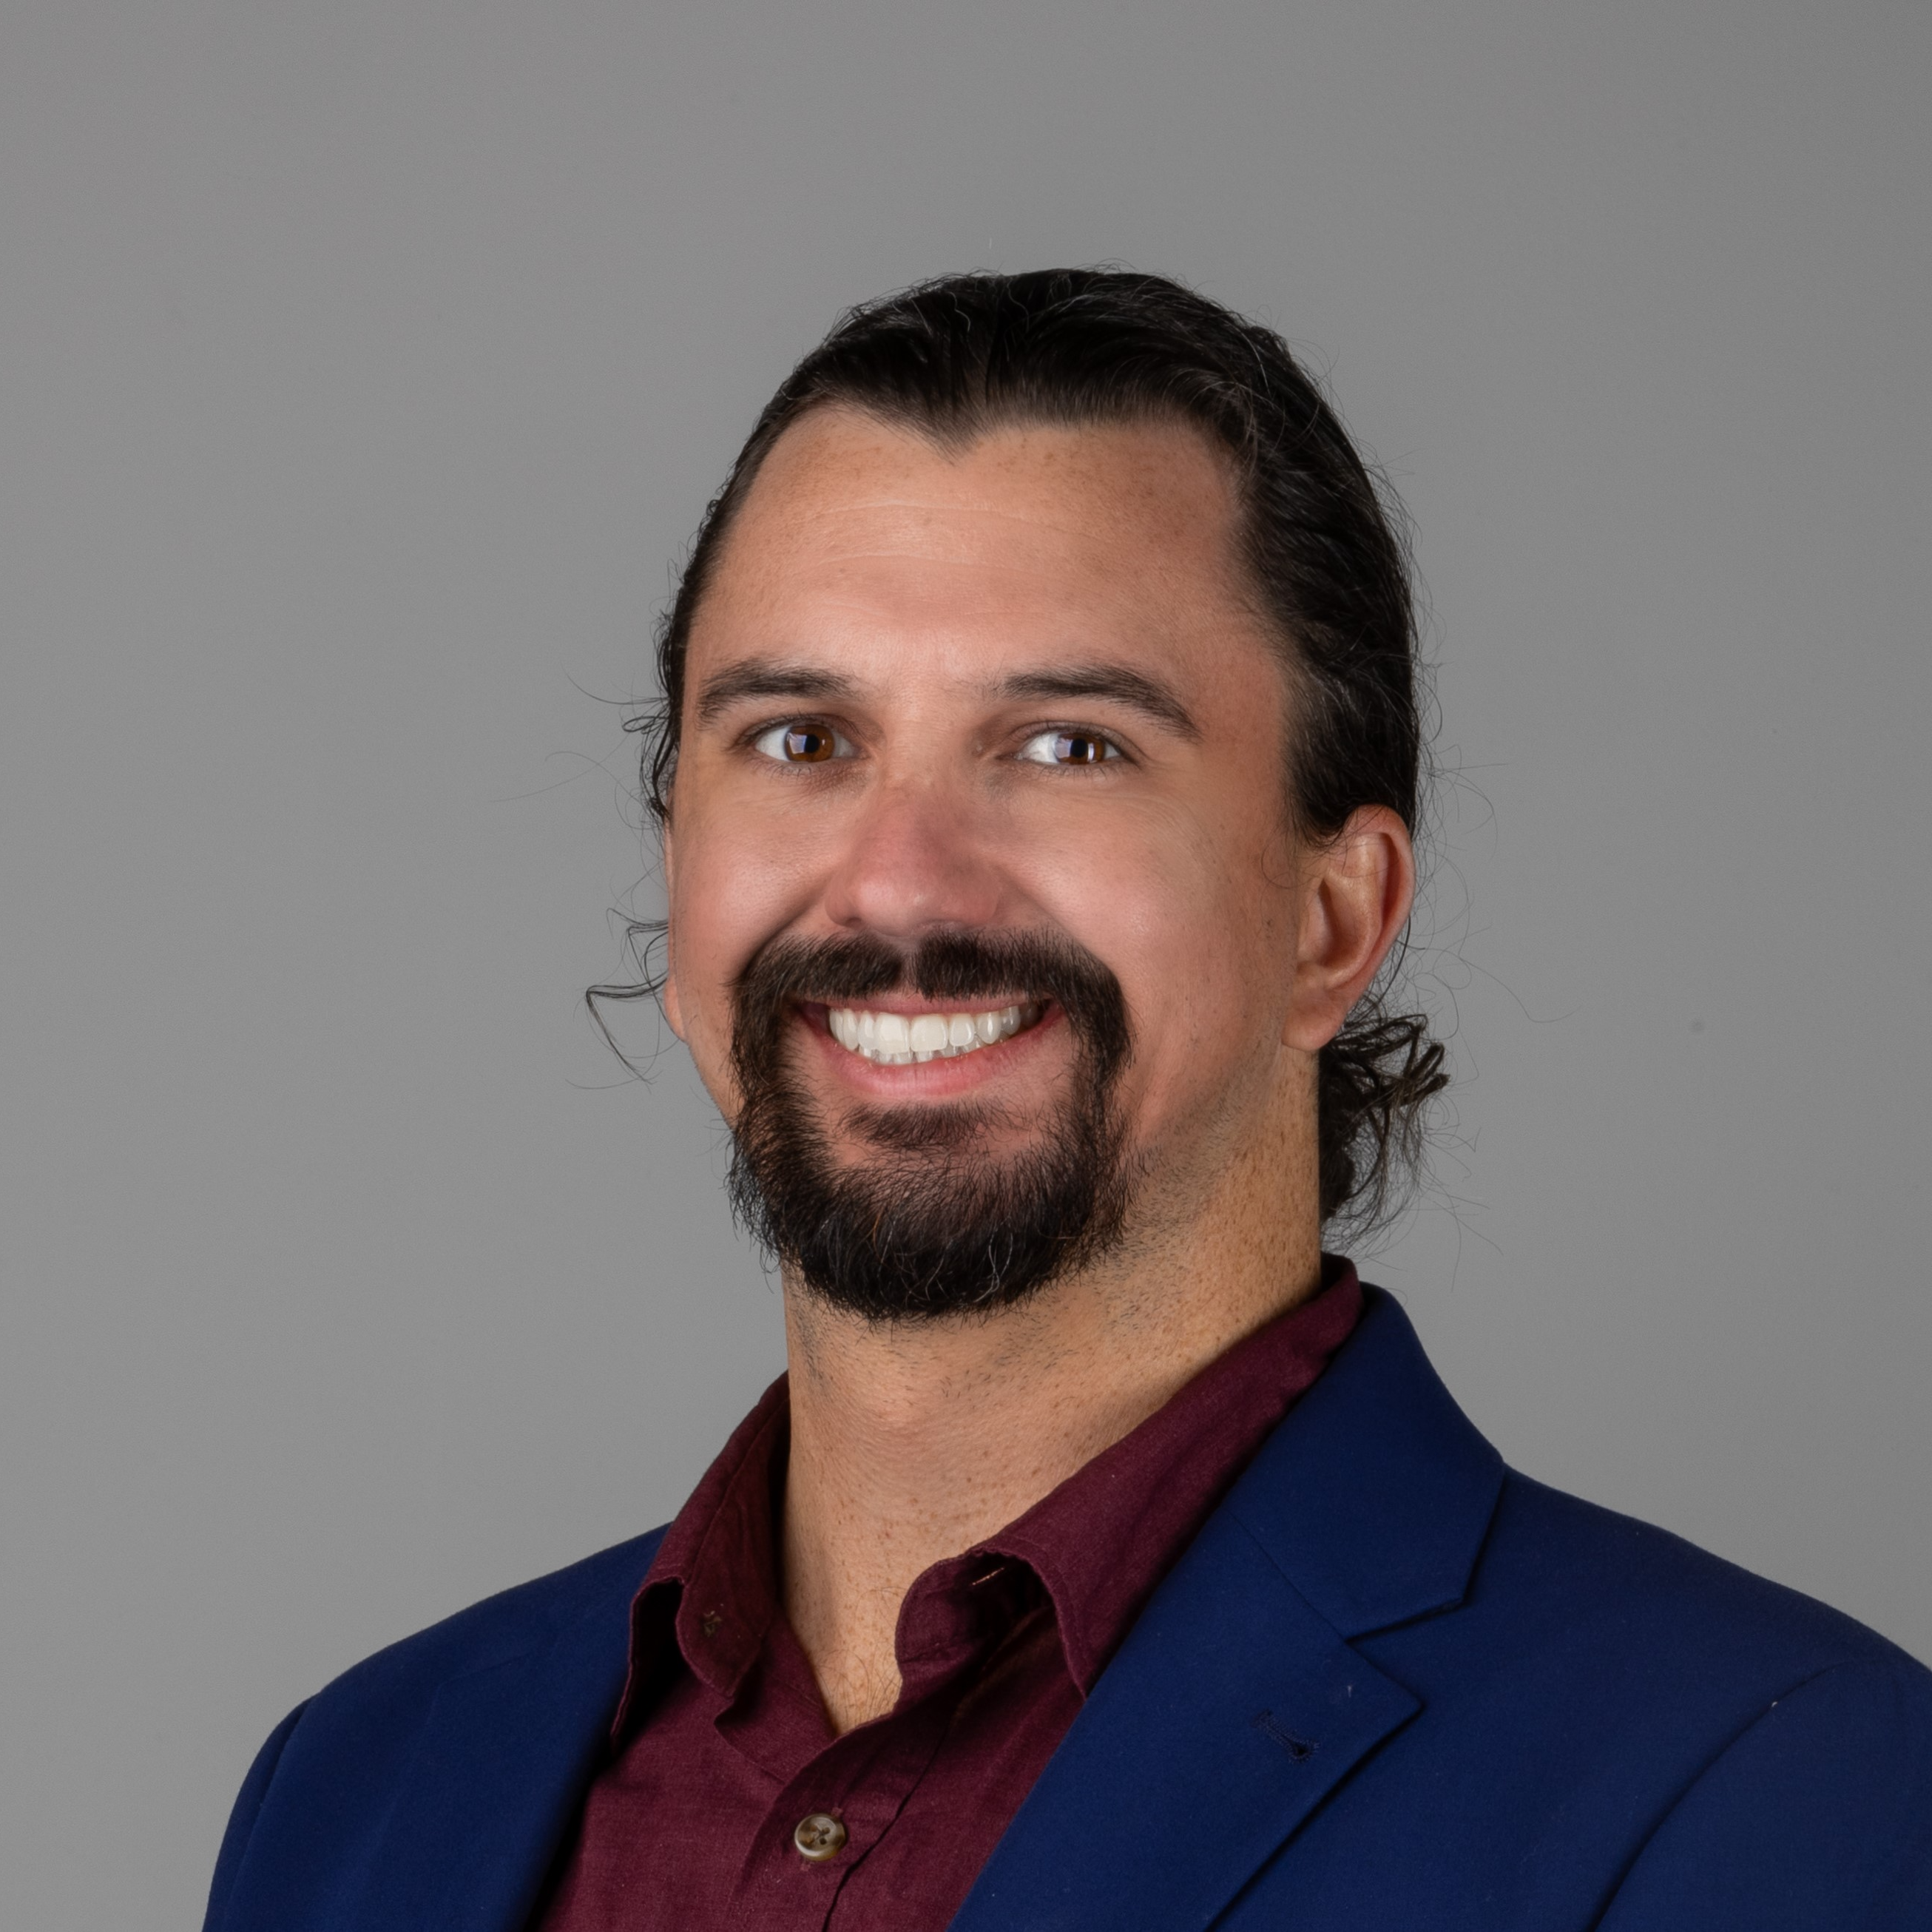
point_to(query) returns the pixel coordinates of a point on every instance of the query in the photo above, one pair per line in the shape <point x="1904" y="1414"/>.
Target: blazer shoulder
<point x="1598" y="1576"/>
<point x="511" y="1624"/>
<point x="1817" y="1812"/>
<point x="316" y="1805"/>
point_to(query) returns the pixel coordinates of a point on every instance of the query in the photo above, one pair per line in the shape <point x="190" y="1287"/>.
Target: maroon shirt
<point x="722" y="1745"/>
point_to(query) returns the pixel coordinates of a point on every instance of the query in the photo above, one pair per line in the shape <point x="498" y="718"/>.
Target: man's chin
<point x="934" y="1229"/>
<point x="870" y="1141"/>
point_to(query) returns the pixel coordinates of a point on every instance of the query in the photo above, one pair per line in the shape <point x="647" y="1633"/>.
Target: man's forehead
<point x="1031" y="549"/>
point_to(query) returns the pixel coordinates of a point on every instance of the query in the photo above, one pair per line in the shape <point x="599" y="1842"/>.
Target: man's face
<point x="1007" y="707"/>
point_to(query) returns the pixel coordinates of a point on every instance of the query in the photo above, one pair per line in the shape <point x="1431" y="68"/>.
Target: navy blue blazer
<point x="1391" y="1686"/>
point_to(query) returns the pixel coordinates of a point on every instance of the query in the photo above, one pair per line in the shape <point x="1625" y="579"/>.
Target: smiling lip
<point x="937" y="1067"/>
<point x="889" y="1037"/>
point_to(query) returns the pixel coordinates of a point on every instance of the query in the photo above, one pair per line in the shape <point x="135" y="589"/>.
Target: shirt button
<point x="820" y="1837"/>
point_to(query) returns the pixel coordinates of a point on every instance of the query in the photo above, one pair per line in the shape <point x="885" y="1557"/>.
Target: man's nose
<point x="916" y="860"/>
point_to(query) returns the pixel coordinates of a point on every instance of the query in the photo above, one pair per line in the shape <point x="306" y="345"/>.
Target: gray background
<point x="363" y="367"/>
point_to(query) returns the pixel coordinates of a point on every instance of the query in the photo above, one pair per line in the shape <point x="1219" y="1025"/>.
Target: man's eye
<point x="801" y="744"/>
<point x="1069" y="748"/>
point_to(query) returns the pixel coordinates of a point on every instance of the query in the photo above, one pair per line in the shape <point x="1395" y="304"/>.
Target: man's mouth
<point x="904" y="1040"/>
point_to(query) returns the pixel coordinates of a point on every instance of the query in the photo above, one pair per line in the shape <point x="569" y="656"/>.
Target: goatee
<point x="929" y="1224"/>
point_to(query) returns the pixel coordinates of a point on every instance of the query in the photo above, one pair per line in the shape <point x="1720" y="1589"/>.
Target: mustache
<point x="992" y="967"/>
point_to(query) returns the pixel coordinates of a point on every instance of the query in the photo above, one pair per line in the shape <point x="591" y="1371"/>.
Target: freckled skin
<point x="924" y="580"/>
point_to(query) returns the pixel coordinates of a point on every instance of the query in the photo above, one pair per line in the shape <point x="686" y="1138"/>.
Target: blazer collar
<point x="1374" y="1495"/>
<point x="1237" y="1703"/>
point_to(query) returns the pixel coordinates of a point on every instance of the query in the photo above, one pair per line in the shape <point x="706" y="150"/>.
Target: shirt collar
<point x="713" y="1589"/>
<point x="1104" y="1539"/>
<point x="1098" y="1544"/>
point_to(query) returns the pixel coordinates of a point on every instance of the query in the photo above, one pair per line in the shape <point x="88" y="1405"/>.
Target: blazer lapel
<point x="502" y="1761"/>
<point x="1230" y="1713"/>
<point x="1235" y="1707"/>
<point x="1238" y="1704"/>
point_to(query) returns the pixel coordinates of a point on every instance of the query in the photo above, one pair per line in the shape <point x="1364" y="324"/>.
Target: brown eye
<point x="1069" y="748"/>
<point x="801" y="744"/>
<point x="804" y="746"/>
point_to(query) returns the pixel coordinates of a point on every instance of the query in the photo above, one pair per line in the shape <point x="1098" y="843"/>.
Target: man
<point x="1037" y="772"/>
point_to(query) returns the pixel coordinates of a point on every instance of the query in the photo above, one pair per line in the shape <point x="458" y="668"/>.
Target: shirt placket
<point x="816" y="1831"/>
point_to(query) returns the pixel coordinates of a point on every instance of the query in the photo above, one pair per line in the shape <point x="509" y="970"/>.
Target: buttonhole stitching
<point x="1300" y="1749"/>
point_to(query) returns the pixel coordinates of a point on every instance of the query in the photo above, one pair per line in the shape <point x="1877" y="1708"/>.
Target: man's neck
<point x="912" y="1441"/>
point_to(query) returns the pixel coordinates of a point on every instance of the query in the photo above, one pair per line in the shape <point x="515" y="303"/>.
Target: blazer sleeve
<point x="242" y="1820"/>
<point x="1819" y="1816"/>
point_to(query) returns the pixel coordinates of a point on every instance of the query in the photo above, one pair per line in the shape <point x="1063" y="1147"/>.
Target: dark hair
<point x="955" y="358"/>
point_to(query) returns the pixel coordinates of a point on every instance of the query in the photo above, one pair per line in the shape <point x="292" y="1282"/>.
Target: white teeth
<point x="896" y="1039"/>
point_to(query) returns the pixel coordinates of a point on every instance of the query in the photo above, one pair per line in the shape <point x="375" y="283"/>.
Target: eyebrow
<point x="1133" y="688"/>
<point x="737" y="683"/>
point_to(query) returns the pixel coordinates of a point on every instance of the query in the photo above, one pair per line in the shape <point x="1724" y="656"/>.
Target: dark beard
<point x="930" y="1227"/>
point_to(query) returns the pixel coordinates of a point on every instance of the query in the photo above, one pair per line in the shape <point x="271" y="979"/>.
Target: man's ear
<point x="674" y="1009"/>
<point x="1356" y="891"/>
